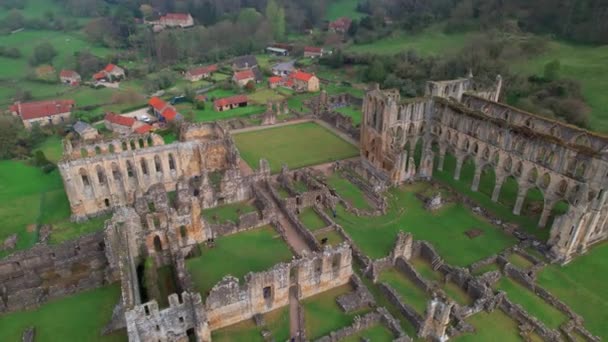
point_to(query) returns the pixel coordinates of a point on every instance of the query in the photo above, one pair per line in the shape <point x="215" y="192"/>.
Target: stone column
<point x="459" y="162"/>
<point x="521" y="196"/>
<point x="497" y="188"/>
<point x="441" y="160"/>
<point x="544" y="217"/>
<point x="476" y="178"/>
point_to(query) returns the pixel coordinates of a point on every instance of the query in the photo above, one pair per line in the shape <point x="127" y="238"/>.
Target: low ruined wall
<point x="30" y="278"/>
<point x="407" y="311"/>
<point x="245" y="222"/>
<point x="380" y="316"/>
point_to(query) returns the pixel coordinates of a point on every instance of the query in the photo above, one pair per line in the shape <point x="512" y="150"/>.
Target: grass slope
<point x="494" y="326"/>
<point x="251" y="251"/>
<point x="343" y="8"/>
<point x="78" y="317"/>
<point x="297" y="146"/>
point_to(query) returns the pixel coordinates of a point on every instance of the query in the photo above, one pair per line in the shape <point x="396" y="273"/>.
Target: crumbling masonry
<point x="565" y="163"/>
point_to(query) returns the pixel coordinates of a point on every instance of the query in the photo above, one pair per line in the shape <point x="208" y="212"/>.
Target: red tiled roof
<point x="169" y="113"/>
<point x="236" y="99"/>
<point x="100" y="75"/>
<point x="243" y="75"/>
<point x="68" y="74"/>
<point x="157" y="103"/>
<point x="40" y="109"/>
<point x="109" y="68"/>
<point x="176" y="16"/>
<point x="143" y="129"/>
<point x="274" y="79"/>
<point x="201" y="98"/>
<point x="120" y="120"/>
<point x="313" y="49"/>
<point x="301" y="76"/>
<point x="341" y="23"/>
<point x="203" y="70"/>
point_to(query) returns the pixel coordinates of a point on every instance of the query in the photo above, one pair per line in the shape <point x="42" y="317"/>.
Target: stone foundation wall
<point x="380" y="316"/>
<point x="30" y="278"/>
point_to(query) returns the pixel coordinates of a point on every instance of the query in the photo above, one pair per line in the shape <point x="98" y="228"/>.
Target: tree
<point x="376" y="72"/>
<point x="9" y="136"/>
<point x="552" y="69"/>
<point x="43" y="53"/>
<point x="14" y="20"/>
<point x="275" y="14"/>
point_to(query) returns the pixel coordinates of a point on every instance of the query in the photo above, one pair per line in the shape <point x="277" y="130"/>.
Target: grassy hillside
<point x="343" y="8"/>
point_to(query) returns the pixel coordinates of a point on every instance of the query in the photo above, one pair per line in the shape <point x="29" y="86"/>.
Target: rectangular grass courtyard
<point x="251" y="251"/>
<point x="296" y="145"/>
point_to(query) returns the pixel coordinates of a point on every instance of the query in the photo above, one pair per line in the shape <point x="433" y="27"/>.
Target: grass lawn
<point x="311" y="220"/>
<point x="426" y="270"/>
<point x="78" y="317"/>
<point x="323" y="315"/>
<point x="586" y="64"/>
<point x="297" y="146"/>
<point x="532" y="303"/>
<point x="335" y="89"/>
<point x="228" y="212"/>
<point x="209" y="114"/>
<point x="52" y="148"/>
<point x="377" y="333"/>
<point x="445" y="229"/>
<point x="343" y="8"/>
<point x="431" y="41"/>
<point x="263" y="95"/>
<point x="519" y="261"/>
<point x="332" y="236"/>
<point x="406" y="288"/>
<point x="582" y="285"/>
<point x="487" y="268"/>
<point x="349" y="191"/>
<point x="238" y="254"/>
<point x="296" y="102"/>
<point x="277" y="322"/>
<point x="492" y="327"/>
<point x="353" y="112"/>
<point x="457" y="293"/>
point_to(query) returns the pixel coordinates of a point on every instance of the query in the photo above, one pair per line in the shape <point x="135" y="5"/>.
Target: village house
<point x="340" y="25"/>
<point x="70" y="77"/>
<point x="283" y="69"/>
<point x="248" y="62"/>
<point x="111" y="73"/>
<point x="197" y="74"/>
<point x="277" y="51"/>
<point x="241" y="78"/>
<point x="43" y="112"/>
<point x="313" y="52"/>
<point x="182" y="20"/>
<point x="228" y="103"/>
<point x="85" y="131"/>
<point x="162" y="110"/>
<point x="125" y="125"/>
<point x="298" y="80"/>
<point x="46" y="72"/>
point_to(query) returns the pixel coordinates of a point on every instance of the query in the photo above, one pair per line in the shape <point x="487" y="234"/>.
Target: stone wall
<point x="31" y="277"/>
<point x="380" y="316"/>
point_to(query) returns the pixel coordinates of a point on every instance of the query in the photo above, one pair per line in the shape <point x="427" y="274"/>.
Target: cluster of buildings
<point x="162" y="110"/>
<point x="297" y="80"/>
<point x="42" y="112"/>
<point x="111" y="73"/>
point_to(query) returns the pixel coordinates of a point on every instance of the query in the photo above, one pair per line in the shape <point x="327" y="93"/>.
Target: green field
<point x="343" y="8"/>
<point x="323" y="315"/>
<point x="533" y="304"/>
<point x="79" y="317"/>
<point x="311" y="220"/>
<point x="410" y="294"/>
<point x="277" y="322"/>
<point x="238" y="254"/>
<point x="582" y="285"/>
<point x="209" y="114"/>
<point x="445" y="228"/>
<point x="228" y="212"/>
<point x="348" y="191"/>
<point x="332" y="236"/>
<point x="377" y="333"/>
<point x="490" y="326"/>
<point x="297" y="146"/>
<point x="431" y="41"/>
<point x="353" y="112"/>
<point x="586" y="64"/>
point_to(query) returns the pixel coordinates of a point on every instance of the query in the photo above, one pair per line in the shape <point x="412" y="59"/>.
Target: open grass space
<point x="311" y="220"/>
<point x="78" y="317"/>
<point x="492" y="326"/>
<point x="277" y="322"/>
<point x="586" y="64"/>
<point x="297" y="146"/>
<point x="210" y="114"/>
<point x="332" y="236"/>
<point x="445" y="229"/>
<point x="353" y="112"/>
<point x="343" y="8"/>
<point x="426" y="270"/>
<point x="378" y="333"/>
<point x="431" y="41"/>
<point x="261" y="96"/>
<point x="251" y="251"/>
<point x="519" y="261"/>
<point x="52" y="148"/>
<point x="457" y="293"/>
<point x="451" y="289"/>
<point x="348" y="191"/>
<point x="503" y="209"/>
<point x="323" y="315"/>
<point x="228" y="212"/>
<point x="410" y="294"/>
<point x="582" y="285"/>
<point x="532" y="303"/>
